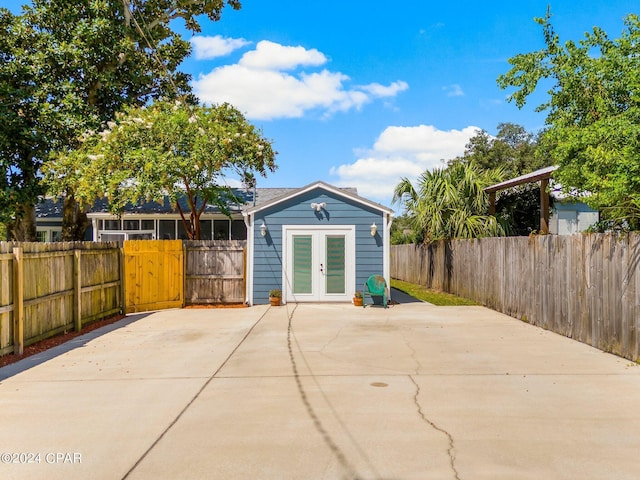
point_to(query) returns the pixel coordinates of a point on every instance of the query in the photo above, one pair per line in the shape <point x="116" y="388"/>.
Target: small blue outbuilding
<point x="318" y="243"/>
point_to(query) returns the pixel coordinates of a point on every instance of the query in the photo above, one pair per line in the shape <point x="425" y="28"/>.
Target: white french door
<point x="319" y="263"/>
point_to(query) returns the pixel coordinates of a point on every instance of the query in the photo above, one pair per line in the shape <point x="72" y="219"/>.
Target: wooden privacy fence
<point x="586" y="287"/>
<point x="215" y="271"/>
<point x="171" y="273"/>
<point x="154" y="275"/>
<point x="46" y="289"/>
<point x="50" y="288"/>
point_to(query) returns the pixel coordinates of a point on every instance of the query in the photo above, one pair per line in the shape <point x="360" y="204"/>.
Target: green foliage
<point x="22" y="147"/>
<point x="516" y="152"/>
<point x="449" y="203"/>
<point x="593" y="113"/>
<point x="275" y="293"/>
<point x="609" y="225"/>
<point x="401" y="231"/>
<point x="513" y="149"/>
<point x="518" y="209"/>
<point x="68" y="67"/>
<point x="167" y="149"/>
<point x="420" y="292"/>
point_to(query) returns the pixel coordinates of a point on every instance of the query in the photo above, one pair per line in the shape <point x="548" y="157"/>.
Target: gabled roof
<point x="348" y="193"/>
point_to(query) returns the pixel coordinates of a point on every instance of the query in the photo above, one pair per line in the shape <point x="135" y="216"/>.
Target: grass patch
<point x="432" y="296"/>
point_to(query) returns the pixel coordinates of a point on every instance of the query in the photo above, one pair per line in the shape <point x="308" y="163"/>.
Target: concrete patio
<point x="321" y="391"/>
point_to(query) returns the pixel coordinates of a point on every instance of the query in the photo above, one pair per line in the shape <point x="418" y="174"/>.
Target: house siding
<point x="572" y="217"/>
<point x="267" y="266"/>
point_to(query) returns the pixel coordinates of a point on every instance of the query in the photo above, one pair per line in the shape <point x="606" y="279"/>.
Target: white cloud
<point x="278" y="81"/>
<point x="454" y="90"/>
<point x="273" y="56"/>
<point x="205" y="48"/>
<point x="392" y="90"/>
<point x="401" y="152"/>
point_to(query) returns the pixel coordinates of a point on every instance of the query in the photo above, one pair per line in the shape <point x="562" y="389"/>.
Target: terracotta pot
<point x="357" y="301"/>
<point x="275" y="301"/>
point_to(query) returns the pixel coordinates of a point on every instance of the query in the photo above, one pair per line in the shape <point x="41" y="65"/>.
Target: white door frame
<point x="317" y="232"/>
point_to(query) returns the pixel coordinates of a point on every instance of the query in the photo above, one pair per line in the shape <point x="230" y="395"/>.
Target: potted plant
<point x="275" y="297"/>
<point x="357" y="298"/>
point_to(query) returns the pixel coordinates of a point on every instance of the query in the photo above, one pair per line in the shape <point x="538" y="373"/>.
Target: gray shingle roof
<point x="52" y="208"/>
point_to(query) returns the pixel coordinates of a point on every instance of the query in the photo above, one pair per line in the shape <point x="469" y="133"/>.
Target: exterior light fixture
<point x="374" y="229"/>
<point x="318" y="206"/>
<point x="263" y="229"/>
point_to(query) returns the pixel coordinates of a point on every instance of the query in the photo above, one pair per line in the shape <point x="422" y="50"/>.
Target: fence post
<point x="185" y="269"/>
<point x="77" y="291"/>
<point x="123" y="291"/>
<point x="18" y="301"/>
<point x="244" y="274"/>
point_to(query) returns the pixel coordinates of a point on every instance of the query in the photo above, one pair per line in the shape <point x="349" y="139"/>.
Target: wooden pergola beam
<point x="544" y="206"/>
<point x="543" y="175"/>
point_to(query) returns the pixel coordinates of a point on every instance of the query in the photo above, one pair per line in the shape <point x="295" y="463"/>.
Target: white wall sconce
<point x="263" y="229"/>
<point x="318" y="206"/>
<point x="374" y="229"/>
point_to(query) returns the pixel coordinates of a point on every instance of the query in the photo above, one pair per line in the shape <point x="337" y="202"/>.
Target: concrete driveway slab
<point x="315" y="391"/>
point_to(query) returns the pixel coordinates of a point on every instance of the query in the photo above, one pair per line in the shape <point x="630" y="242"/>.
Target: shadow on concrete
<point x="399" y="297"/>
<point x="77" y="342"/>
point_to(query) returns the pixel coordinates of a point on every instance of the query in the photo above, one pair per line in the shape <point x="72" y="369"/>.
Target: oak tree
<point x="84" y="62"/>
<point x="593" y="112"/>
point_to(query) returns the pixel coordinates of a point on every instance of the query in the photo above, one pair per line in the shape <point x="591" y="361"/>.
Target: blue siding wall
<point x="267" y="261"/>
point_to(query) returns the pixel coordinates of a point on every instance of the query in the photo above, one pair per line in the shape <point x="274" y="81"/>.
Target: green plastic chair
<point x="375" y="288"/>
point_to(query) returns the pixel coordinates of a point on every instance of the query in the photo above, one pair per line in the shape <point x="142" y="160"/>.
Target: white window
<point x="49" y="234"/>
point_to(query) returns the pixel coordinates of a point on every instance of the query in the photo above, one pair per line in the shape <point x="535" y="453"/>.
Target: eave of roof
<point x="343" y="192"/>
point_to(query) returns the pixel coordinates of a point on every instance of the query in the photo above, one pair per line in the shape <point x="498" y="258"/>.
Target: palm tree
<point x="450" y="203"/>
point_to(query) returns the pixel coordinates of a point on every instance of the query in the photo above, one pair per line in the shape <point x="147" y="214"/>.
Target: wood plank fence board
<point x="48" y="290"/>
<point x="6" y="302"/>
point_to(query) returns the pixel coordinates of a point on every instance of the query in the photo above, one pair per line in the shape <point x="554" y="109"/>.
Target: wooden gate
<point x="154" y="273"/>
<point x="215" y="271"/>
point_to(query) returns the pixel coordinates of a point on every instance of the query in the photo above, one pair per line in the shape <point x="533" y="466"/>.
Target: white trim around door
<point x="318" y="263"/>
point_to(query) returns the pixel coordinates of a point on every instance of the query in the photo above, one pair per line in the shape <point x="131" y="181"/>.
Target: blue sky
<point x="361" y="93"/>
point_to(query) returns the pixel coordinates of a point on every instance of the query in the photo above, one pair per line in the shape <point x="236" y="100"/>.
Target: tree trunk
<point x="74" y="220"/>
<point x="24" y="227"/>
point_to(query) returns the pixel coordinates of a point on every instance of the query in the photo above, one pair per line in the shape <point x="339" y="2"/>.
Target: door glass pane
<point x="302" y="280"/>
<point x="335" y="273"/>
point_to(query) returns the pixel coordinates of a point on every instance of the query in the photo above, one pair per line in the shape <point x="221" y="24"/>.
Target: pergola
<point x="543" y="175"/>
